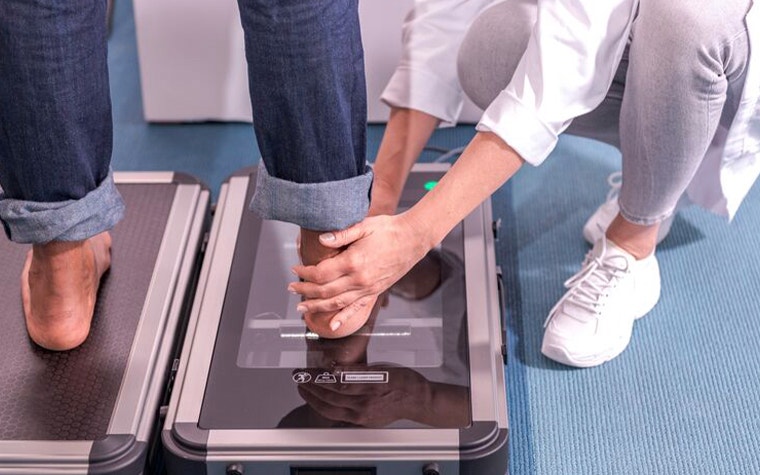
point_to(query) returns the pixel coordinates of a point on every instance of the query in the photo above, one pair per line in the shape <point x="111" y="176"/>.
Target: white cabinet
<point x="192" y="58"/>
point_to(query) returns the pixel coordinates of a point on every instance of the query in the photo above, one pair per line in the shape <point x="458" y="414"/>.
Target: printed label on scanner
<point x="354" y="377"/>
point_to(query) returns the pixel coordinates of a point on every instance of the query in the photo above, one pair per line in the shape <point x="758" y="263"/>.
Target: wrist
<point x="385" y="198"/>
<point x="422" y="229"/>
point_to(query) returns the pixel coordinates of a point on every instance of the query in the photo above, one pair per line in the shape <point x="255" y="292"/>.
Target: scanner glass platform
<point x="407" y="331"/>
<point x="270" y="371"/>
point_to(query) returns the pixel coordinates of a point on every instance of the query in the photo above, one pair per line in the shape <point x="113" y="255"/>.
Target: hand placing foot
<point x="312" y="252"/>
<point x="59" y="286"/>
<point x="380" y="250"/>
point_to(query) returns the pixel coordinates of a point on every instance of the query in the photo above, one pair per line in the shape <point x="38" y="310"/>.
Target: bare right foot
<point x="59" y="285"/>
<point x="313" y="252"/>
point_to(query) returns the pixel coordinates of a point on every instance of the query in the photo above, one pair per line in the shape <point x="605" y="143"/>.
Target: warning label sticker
<point x="302" y="377"/>
<point x="325" y="378"/>
<point x="357" y="377"/>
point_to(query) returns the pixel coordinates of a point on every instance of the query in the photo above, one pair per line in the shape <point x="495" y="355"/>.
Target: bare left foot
<point x="59" y="285"/>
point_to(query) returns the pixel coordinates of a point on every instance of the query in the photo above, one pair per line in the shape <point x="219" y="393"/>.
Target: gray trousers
<point x="677" y="85"/>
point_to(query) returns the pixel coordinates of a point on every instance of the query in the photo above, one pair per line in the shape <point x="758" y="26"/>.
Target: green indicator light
<point x="430" y="185"/>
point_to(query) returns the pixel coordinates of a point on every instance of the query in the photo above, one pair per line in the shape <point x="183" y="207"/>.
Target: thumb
<point x="344" y="237"/>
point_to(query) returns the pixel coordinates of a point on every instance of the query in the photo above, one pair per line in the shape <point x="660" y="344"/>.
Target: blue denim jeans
<point x="306" y="72"/>
<point x="307" y="83"/>
<point x="55" y="121"/>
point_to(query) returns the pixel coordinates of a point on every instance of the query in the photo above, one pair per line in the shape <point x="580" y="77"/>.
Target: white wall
<point x="192" y="60"/>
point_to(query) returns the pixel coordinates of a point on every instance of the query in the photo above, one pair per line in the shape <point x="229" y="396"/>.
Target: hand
<point x="311" y="252"/>
<point x="380" y="250"/>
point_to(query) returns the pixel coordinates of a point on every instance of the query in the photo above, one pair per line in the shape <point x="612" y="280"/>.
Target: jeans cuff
<point x="32" y="222"/>
<point x="315" y="206"/>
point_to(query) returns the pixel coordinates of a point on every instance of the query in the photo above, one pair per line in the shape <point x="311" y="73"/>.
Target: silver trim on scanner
<point x="211" y="299"/>
<point x="159" y="311"/>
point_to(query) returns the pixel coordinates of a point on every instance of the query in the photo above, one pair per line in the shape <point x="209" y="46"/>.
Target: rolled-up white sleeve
<point x="566" y="70"/>
<point x="426" y="77"/>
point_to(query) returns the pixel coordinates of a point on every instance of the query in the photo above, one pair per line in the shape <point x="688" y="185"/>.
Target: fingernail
<point x="301" y="309"/>
<point x="294" y="272"/>
<point x="292" y="290"/>
<point x="335" y="324"/>
<point x="327" y="237"/>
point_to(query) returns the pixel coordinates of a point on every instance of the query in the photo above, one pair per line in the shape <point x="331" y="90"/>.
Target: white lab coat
<point x="567" y="68"/>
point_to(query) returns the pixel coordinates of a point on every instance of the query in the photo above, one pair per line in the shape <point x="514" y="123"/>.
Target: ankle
<point x="56" y="248"/>
<point x="635" y="239"/>
<point x="312" y="252"/>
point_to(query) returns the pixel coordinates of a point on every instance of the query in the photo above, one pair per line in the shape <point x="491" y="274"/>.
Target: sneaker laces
<point x="615" y="180"/>
<point x="591" y="283"/>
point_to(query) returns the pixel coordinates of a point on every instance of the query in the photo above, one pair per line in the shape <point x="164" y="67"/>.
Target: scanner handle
<point x="502" y="313"/>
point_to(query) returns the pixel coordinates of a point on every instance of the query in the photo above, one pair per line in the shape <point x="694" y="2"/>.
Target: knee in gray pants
<point x="493" y="46"/>
<point x="684" y="31"/>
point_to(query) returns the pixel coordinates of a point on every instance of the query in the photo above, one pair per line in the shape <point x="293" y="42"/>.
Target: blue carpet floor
<point x="683" y="399"/>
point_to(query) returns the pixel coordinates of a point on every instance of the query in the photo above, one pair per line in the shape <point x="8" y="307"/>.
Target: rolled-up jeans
<point x="55" y="121"/>
<point x="56" y="127"/>
<point x="306" y="72"/>
<point x="680" y="79"/>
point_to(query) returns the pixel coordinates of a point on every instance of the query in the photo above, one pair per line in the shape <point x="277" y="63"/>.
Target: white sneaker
<point x="598" y="223"/>
<point x="593" y="321"/>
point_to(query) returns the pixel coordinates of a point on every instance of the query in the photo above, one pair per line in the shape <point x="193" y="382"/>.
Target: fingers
<point x="326" y="271"/>
<point x="344" y="237"/>
<point x="357" y="309"/>
<point x="331" y="304"/>
<point x="310" y="290"/>
<point x="348" y="263"/>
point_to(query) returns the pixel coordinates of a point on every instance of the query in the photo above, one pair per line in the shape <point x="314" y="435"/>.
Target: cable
<point x="454" y="152"/>
<point x="435" y="148"/>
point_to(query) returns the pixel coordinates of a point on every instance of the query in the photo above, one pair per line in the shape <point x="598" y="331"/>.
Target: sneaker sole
<point x="560" y="355"/>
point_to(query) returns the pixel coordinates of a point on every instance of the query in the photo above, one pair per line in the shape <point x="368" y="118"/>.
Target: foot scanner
<point x="94" y="409"/>
<point x="208" y="369"/>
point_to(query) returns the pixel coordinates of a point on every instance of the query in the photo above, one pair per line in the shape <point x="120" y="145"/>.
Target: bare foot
<point x="320" y="323"/>
<point x="59" y="285"/>
<point x="313" y="252"/>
